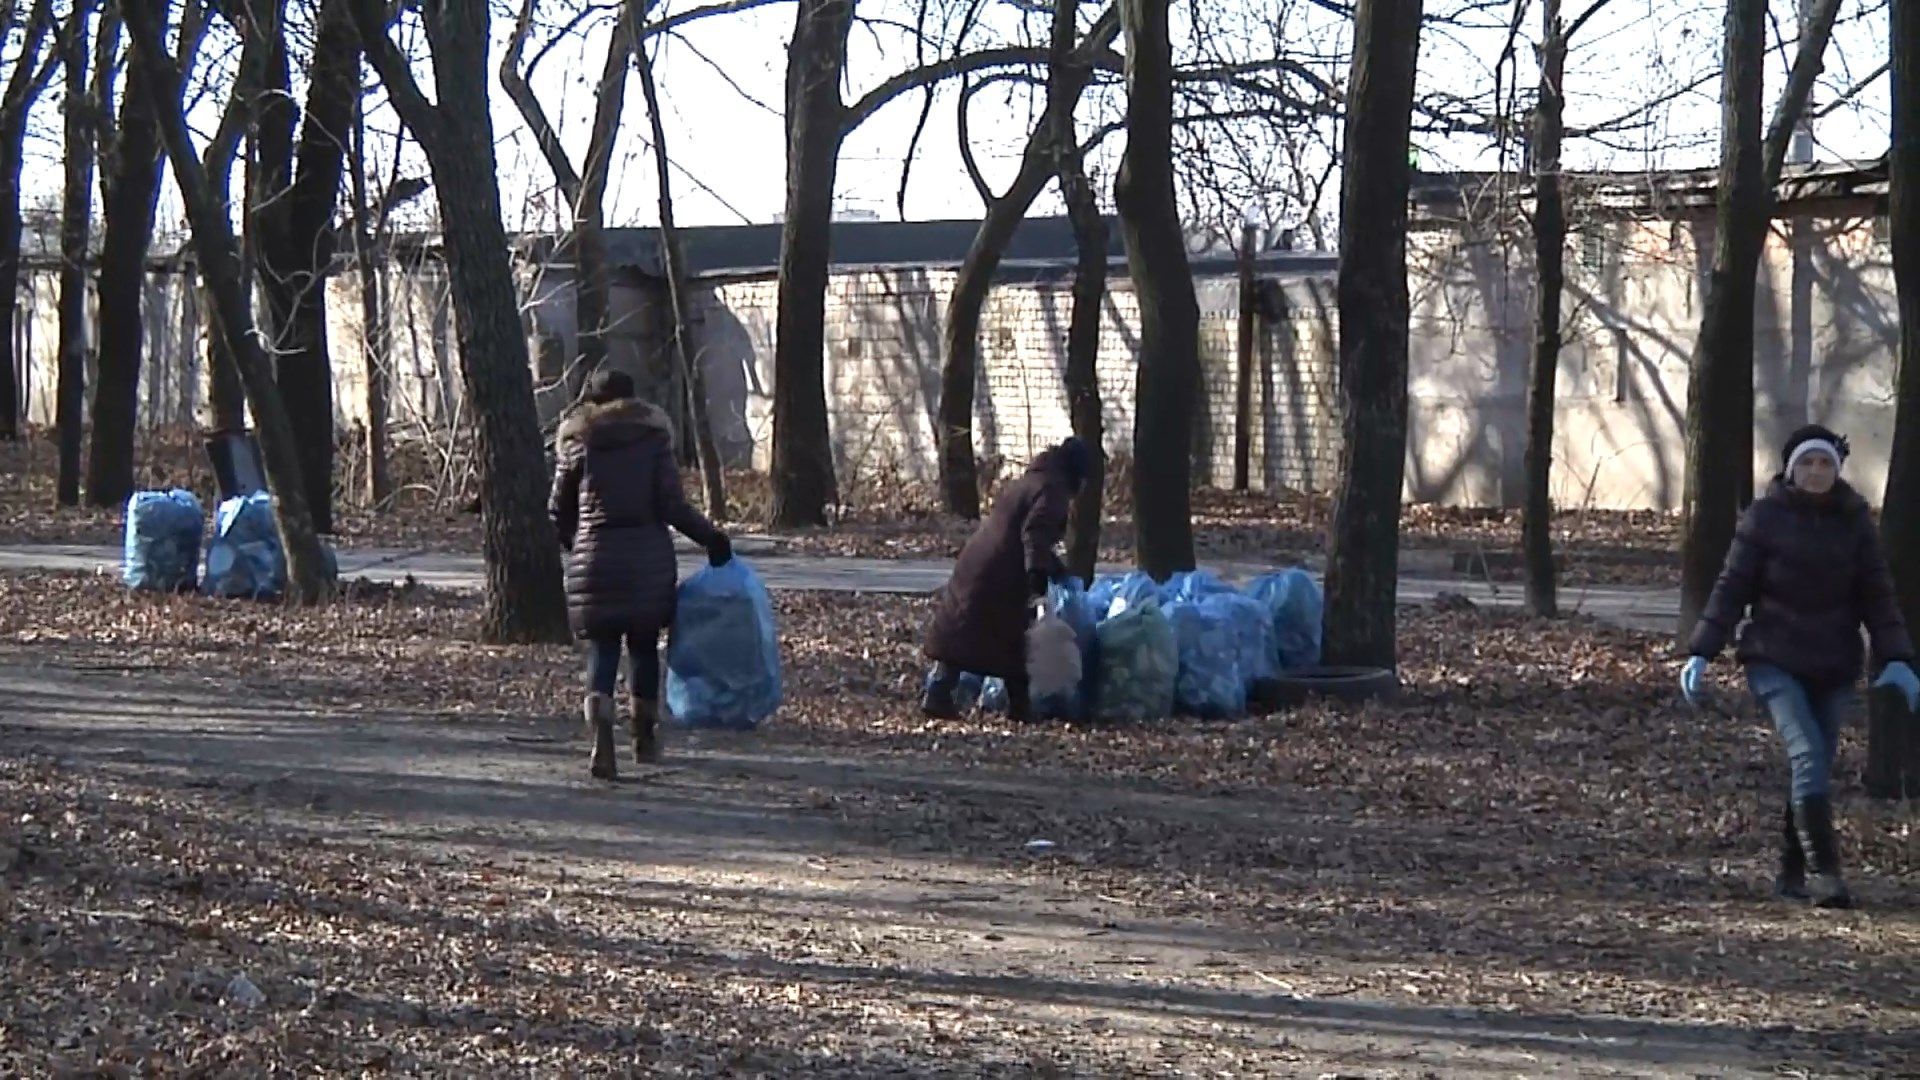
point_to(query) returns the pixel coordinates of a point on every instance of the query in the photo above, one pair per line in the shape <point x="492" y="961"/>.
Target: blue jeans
<point x="603" y="663"/>
<point x="1808" y="717"/>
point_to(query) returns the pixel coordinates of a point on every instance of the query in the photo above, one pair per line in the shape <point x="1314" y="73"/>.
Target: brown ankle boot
<point x="599" y="710"/>
<point x="644" y="717"/>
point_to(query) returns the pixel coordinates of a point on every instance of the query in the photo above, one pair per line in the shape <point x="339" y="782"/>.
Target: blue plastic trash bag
<point x="966" y="692"/>
<point x="162" y="552"/>
<point x="1294" y="601"/>
<point x="244" y="560"/>
<point x="1253" y="638"/>
<point x="723" y="658"/>
<point x="1068" y="602"/>
<point x="1210" y="685"/>
<point x="1139" y="663"/>
<point x="993" y="695"/>
<point x="1192" y="586"/>
<point x="1129" y="592"/>
<point x="1101" y="593"/>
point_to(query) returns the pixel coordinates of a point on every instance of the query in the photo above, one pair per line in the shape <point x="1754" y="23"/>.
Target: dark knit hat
<point x="607" y="385"/>
<point x="1814" y="433"/>
<point x="1076" y="457"/>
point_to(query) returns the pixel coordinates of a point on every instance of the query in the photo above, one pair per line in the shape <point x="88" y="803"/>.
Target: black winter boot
<point x="1814" y="818"/>
<point x="1791" y="883"/>
<point x="644" y="716"/>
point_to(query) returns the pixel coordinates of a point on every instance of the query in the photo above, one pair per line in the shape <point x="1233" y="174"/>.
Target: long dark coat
<point x="1811" y="569"/>
<point x="980" y="622"/>
<point x="616" y="489"/>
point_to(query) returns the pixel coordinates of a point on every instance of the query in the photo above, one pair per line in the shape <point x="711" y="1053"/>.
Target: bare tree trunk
<point x="1083" y="353"/>
<point x="295" y="210"/>
<point x="76" y="215"/>
<point x="23" y="87"/>
<point x="1244" y="329"/>
<point x="370" y="257"/>
<point x="1069" y="69"/>
<point x="13" y="137"/>
<point x="129" y="199"/>
<point x="219" y="256"/>
<point x="712" y="469"/>
<point x="1720" y="419"/>
<point x="803" y="481"/>
<point x="524" y="598"/>
<point x="1893" y="739"/>
<point x="1550" y="241"/>
<point x="585" y="193"/>
<point x="1719" y="386"/>
<point x="1169" y="377"/>
<point x="1363" y="561"/>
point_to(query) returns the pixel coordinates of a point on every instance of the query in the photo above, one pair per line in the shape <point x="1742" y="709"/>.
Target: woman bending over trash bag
<point x="616" y="489"/>
<point x="980" y="622"/>
<point x="1807" y="561"/>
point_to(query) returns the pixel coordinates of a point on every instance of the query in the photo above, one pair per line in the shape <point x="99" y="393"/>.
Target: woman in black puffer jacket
<point x="616" y="490"/>
<point x="1807" y="571"/>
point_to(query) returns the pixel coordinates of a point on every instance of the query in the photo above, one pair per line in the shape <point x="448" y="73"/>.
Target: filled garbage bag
<point x="967" y="692"/>
<point x="1192" y="586"/>
<point x="245" y="560"/>
<point x="723" y="657"/>
<point x="1127" y="592"/>
<point x="1252" y="633"/>
<point x="992" y="694"/>
<point x="1053" y="656"/>
<point x="1209" y="685"/>
<point x="162" y="551"/>
<point x="1294" y="602"/>
<point x="1069" y="604"/>
<point x="1139" y="663"/>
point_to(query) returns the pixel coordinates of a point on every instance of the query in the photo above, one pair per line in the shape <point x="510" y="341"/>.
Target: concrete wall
<point x="1826" y="332"/>
<point x="883" y="374"/>
<point x="1826" y="335"/>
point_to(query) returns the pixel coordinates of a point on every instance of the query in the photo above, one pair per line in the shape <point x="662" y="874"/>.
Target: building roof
<point x="1445" y="198"/>
<point x="1041" y="247"/>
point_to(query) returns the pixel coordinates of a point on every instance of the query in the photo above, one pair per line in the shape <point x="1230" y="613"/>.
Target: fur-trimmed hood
<point x="615" y="423"/>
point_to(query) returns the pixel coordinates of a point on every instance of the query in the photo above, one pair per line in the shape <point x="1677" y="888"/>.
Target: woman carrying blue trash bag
<point x="616" y="490"/>
<point x="1807" y="570"/>
<point x="980" y="623"/>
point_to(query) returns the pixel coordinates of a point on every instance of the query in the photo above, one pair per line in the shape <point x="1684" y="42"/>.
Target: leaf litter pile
<point x="1534" y="839"/>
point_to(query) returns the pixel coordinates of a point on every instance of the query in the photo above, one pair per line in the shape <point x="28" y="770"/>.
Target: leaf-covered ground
<point x="1534" y="863"/>
<point x="895" y="520"/>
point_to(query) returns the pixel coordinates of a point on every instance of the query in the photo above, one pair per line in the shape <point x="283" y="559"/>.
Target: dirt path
<point x="746" y="908"/>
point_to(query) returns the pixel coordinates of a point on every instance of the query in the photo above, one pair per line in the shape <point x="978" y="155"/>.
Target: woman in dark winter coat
<point x="1806" y="569"/>
<point x="616" y="489"/>
<point x="981" y="621"/>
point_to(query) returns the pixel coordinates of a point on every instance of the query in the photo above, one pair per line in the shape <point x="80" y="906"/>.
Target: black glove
<point x="1037" y="581"/>
<point x="720" y="552"/>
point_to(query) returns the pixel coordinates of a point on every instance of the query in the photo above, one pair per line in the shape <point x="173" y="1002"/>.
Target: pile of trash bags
<point x="162" y="550"/>
<point x="723" y="657"/>
<point x="244" y="559"/>
<point x="1192" y="645"/>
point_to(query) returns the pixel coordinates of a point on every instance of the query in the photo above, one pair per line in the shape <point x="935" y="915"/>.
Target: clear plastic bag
<point x="1210" y="685"/>
<point x="162" y="547"/>
<point x="1069" y="603"/>
<point x="1294" y="602"/>
<point x="1139" y="665"/>
<point x="723" y="656"/>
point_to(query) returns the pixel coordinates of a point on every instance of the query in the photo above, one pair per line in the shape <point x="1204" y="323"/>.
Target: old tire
<point x="1294" y="688"/>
